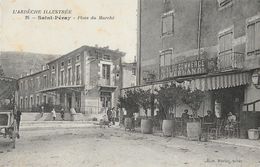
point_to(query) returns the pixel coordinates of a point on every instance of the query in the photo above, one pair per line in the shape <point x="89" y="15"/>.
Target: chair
<point x="218" y="130"/>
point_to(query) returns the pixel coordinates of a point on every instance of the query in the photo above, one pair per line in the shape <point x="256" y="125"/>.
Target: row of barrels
<point x="193" y="128"/>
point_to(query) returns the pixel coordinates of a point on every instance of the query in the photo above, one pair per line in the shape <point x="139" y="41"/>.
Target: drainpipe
<point x="199" y="28"/>
<point x="139" y="43"/>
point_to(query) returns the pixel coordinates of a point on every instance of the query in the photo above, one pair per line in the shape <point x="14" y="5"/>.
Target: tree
<point x="169" y="97"/>
<point x="193" y="99"/>
<point x="144" y="98"/>
<point x="1" y="71"/>
<point x="129" y="101"/>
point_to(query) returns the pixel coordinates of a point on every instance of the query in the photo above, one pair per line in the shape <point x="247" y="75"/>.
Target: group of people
<point x="110" y="116"/>
<point x="62" y="113"/>
<point x="210" y="120"/>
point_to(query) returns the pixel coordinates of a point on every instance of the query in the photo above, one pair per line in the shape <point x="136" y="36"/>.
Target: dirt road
<point x="110" y="147"/>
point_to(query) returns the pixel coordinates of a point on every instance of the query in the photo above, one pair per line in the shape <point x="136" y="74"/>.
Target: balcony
<point x="230" y="61"/>
<point x="104" y="82"/>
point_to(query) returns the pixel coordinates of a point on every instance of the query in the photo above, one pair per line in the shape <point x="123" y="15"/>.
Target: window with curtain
<point x="253" y="37"/>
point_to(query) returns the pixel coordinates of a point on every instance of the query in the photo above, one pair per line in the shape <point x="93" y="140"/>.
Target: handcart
<point x="8" y="125"/>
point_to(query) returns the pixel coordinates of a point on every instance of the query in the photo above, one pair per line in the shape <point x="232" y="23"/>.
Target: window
<point x="45" y="81"/>
<point x="106" y="71"/>
<point x="62" y="77"/>
<point x="69" y="75"/>
<point x="53" y="76"/>
<point x="38" y="99"/>
<point x="26" y="102"/>
<point x="53" y="67"/>
<point x="225" y="42"/>
<point x="77" y="74"/>
<point x="31" y="101"/>
<point x="44" y="99"/>
<point x="21" y="102"/>
<point x="78" y="57"/>
<point x="224" y="3"/>
<point x="62" y="64"/>
<point x="106" y="57"/>
<point x="165" y="58"/>
<point x="253" y="37"/>
<point x="133" y="71"/>
<point x="168" y="23"/>
<point x="69" y="61"/>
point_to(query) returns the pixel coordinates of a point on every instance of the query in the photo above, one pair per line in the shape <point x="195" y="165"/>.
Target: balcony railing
<point x="104" y="82"/>
<point x="230" y="61"/>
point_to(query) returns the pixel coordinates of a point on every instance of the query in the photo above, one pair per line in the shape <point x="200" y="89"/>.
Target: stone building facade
<point x="87" y="79"/>
<point x="211" y="45"/>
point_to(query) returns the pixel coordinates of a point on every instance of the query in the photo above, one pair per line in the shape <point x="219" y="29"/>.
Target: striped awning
<point x="205" y="83"/>
<point x="220" y="81"/>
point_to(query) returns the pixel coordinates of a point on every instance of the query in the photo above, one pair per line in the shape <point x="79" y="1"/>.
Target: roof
<point x="85" y="47"/>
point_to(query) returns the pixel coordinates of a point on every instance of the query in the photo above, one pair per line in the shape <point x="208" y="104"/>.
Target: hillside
<point x="16" y="63"/>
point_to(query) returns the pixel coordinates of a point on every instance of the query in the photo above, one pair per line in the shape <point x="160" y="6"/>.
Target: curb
<point x="234" y="144"/>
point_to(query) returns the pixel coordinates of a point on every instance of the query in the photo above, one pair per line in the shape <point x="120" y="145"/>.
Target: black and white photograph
<point x="129" y="83"/>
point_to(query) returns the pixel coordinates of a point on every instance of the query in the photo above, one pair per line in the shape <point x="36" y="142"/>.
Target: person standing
<point x="53" y="114"/>
<point x="109" y="114"/>
<point x="17" y="116"/>
<point x="113" y="115"/>
<point x="73" y="113"/>
<point x="62" y="113"/>
<point x="42" y="111"/>
<point x="185" y="118"/>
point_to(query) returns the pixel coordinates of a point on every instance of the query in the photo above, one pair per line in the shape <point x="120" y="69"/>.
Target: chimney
<point x="135" y="59"/>
<point x="31" y="71"/>
<point x="43" y="67"/>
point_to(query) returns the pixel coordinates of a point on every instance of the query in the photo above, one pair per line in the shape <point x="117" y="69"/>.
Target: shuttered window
<point x="168" y="23"/>
<point x="165" y="58"/>
<point x="253" y="37"/>
<point x="225" y="42"/>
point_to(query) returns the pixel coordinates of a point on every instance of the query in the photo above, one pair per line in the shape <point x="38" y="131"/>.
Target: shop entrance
<point x="228" y="100"/>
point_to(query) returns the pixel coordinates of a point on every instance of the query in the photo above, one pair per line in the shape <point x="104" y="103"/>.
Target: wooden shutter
<point x="250" y="38"/>
<point x="257" y="35"/>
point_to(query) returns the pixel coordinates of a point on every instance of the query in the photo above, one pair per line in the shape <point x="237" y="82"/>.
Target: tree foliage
<point x="193" y="99"/>
<point x="169" y="97"/>
<point x="2" y="74"/>
<point x="129" y="101"/>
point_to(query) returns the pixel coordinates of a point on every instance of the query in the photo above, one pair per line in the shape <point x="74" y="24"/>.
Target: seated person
<point x="210" y="120"/>
<point x="231" y="121"/>
<point x="210" y="117"/>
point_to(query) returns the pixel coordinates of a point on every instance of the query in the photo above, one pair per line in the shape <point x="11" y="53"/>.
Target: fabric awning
<point x="220" y="81"/>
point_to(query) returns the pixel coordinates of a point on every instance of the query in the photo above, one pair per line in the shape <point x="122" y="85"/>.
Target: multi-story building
<point x="87" y="79"/>
<point x="211" y="45"/>
<point x="128" y="74"/>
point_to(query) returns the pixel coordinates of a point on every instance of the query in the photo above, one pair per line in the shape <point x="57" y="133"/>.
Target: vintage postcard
<point x="120" y="83"/>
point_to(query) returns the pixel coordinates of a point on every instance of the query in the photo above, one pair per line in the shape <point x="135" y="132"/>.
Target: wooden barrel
<point x="168" y="127"/>
<point x="128" y="123"/>
<point x="253" y="134"/>
<point x="146" y="126"/>
<point x="193" y="130"/>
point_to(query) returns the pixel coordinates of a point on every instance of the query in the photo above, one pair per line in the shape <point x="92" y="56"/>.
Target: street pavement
<point x="66" y="144"/>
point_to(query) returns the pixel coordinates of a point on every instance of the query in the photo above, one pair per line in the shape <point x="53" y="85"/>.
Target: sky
<point x="63" y="36"/>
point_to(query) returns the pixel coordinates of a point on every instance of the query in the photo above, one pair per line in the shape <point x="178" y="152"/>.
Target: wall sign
<point x="184" y="69"/>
